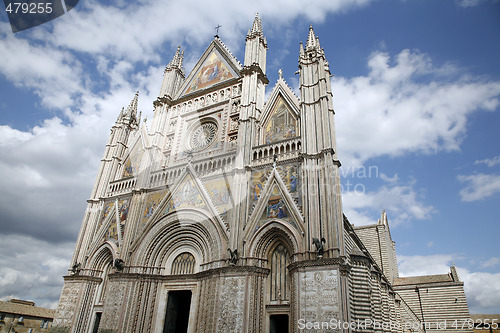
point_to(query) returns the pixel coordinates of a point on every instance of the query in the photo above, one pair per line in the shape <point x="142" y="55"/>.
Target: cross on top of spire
<point x="217" y="30"/>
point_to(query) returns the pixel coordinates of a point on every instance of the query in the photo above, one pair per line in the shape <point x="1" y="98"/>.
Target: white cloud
<point x="393" y="110"/>
<point x="479" y="186"/>
<point x="424" y="265"/>
<point x="132" y="30"/>
<point x="55" y="75"/>
<point x="482" y="289"/>
<point x="468" y="3"/>
<point x="491" y="162"/>
<point x="473" y="3"/>
<point x="402" y="201"/>
<point x="30" y="274"/>
<point x="492" y="262"/>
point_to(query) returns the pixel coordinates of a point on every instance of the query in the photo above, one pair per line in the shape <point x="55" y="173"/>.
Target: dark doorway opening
<point x="278" y="323"/>
<point x="97" y="321"/>
<point x="177" y="313"/>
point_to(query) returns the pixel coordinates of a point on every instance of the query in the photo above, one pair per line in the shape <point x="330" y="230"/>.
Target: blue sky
<point x="416" y="92"/>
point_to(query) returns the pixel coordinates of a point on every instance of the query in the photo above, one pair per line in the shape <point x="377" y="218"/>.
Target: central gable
<point x="213" y="70"/>
<point x="216" y="65"/>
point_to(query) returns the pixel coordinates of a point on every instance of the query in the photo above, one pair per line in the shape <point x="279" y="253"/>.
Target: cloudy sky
<point x="416" y="93"/>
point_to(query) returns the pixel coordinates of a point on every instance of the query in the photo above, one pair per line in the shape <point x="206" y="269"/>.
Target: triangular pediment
<point x="275" y="204"/>
<point x="186" y="195"/>
<point x="215" y="66"/>
<point x="280" y="118"/>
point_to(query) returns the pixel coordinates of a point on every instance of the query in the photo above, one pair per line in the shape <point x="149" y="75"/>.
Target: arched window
<point x="279" y="280"/>
<point x="183" y="264"/>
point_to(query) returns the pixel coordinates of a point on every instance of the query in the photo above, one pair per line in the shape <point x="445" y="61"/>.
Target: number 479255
<point x="29" y="8"/>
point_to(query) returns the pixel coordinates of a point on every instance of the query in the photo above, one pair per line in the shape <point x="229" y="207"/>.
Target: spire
<point x="181" y="60"/>
<point x="313" y="42"/>
<point x="130" y="114"/>
<point x="176" y="62"/>
<point x="257" y="25"/>
<point x="120" y="115"/>
<point x="256" y="29"/>
<point x="132" y="108"/>
<point x="383" y="218"/>
<point x="311" y="39"/>
<point x="454" y="273"/>
<point x="256" y="45"/>
<point x="173" y="75"/>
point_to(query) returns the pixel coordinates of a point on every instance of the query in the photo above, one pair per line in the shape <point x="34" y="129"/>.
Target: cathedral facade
<point x="223" y="214"/>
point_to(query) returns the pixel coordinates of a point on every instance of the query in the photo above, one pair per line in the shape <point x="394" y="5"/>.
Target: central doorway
<point x="278" y="323"/>
<point x="177" y="313"/>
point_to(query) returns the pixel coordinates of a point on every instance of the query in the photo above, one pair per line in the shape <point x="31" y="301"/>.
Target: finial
<point x="256" y="26"/>
<point x="181" y="59"/>
<point x="280" y="73"/>
<point x="311" y="39"/>
<point x="132" y="108"/>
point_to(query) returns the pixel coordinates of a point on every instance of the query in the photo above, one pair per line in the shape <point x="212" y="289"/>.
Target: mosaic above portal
<point x="276" y="208"/>
<point x="123" y="207"/>
<point x="188" y="196"/>
<point x="219" y="192"/>
<point x="152" y="202"/>
<point x="290" y="175"/>
<point x="259" y="179"/>
<point x="108" y="208"/>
